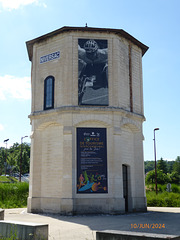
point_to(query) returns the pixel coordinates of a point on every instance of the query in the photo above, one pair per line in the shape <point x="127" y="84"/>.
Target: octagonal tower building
<point x="86" y="116"/>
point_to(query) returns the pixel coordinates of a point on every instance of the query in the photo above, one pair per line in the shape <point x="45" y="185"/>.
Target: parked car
<point x="16" y="175"/>
<point x="26" y="175"/>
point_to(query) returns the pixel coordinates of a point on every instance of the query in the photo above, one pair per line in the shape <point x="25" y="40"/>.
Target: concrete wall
<point x="53" y="152"/>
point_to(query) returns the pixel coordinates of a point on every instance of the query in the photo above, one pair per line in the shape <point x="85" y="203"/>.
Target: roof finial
<point x="86" y="25"/>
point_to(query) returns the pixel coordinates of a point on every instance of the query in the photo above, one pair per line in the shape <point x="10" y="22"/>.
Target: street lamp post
<point x="5" y="141"/>
<point x="155" y="158"/>
<point x="21" y="159"/>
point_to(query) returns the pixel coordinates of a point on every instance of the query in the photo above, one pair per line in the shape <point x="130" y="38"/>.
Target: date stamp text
<point x="147" y="225"/>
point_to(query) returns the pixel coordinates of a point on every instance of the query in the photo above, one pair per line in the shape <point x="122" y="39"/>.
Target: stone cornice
<point x="88" y="109"/>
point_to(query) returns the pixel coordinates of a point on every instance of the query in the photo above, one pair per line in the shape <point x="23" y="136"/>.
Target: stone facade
<point x="53" y="167"/>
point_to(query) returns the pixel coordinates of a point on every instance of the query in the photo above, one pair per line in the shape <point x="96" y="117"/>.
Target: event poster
<point x="91" y="160"/>
<point x="93" y="72"/>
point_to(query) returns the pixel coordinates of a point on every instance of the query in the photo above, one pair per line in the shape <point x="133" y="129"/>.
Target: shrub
<point x="174" y="177"/>
<point x="163" y="199"/>
<point x="175" y="188"/>
<point x="13" y="195"/>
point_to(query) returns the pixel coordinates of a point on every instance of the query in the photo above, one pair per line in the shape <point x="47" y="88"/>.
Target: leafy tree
<point x="162" y="165"/>
<point x="174" y="177"/>
<point x="25" y="161"/>
<point x="167" y="171"/>
<point x="176" y="165"/>
<point x="3" y="158"/>
<point x="150" y="177"/>
<point x="14" y="158"/>
<point x="162" y="178"/>
<point x="11" y="163"/>
<point x="170" y="166"/>
<point x="148" y="166"/>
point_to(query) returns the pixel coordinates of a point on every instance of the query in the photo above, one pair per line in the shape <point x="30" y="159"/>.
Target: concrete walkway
<point x="155" y="220"/>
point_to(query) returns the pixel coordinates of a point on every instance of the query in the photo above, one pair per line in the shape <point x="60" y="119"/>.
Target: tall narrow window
<point x="49" y="92"/>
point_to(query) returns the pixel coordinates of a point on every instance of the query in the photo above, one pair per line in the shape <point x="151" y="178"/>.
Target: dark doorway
<point x="125" y="185"/>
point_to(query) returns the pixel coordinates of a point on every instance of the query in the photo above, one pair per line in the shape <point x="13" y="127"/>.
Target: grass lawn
<point x="5" y="179"/>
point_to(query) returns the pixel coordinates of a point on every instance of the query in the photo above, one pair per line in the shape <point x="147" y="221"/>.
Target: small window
<point x="49" y="92"/>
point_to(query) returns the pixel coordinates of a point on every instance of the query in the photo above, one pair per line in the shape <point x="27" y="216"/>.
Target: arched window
<point x="49" y="92"/>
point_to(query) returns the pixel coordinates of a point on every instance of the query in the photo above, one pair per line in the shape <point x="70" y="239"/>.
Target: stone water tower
<point x="86" y="116"/>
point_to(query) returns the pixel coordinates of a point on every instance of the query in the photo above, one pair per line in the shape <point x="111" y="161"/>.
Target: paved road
<point x="156" y="220"/>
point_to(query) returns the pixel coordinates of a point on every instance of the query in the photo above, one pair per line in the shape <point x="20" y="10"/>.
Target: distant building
<point x="86" y="116"/>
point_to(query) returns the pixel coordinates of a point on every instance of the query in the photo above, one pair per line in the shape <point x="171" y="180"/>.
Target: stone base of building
<point x="70" y="206"/>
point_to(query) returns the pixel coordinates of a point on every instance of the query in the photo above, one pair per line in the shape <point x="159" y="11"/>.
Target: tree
<point x="149" y="166"/>
<point x="167" y="171"/>
<point x="25" y="161"/>
<point x="174" y="177"/>
<point x="162" y="165"/>
<point x="176" y="165"/>
<point x="14" y="158"/>
<point x="150" y="177"/>
<point x="11" y="163"/>
<point x="162" y="178"/>
<point x="170" y="166"/>
<point x="2" y="159"/>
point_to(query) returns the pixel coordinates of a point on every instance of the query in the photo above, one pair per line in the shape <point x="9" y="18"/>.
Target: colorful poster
<point x="93" y="72"/>
<point x="91" y="160"/>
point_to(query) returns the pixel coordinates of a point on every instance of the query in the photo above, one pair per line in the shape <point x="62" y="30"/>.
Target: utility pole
<point x="155" y="158"/>
<point x="5" y="163"/>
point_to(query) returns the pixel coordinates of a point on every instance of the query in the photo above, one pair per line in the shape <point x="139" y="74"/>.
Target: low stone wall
<point x="127" y="235"/>
<point x="24" y="230"/>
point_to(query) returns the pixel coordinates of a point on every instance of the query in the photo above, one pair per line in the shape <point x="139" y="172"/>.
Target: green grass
<point x="4" y="179"/>
<point x="13" y="195"/>
<point x="163" y="198"/>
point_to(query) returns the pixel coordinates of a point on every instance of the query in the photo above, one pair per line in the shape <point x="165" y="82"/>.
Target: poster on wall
<point x="91" y="160"/>
<point x="93" y="72"/>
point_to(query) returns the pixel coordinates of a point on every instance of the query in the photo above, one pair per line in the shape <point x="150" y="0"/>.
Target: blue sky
<point x="153" y="22"/>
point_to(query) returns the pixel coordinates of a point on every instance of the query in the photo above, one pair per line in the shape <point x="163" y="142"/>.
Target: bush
<point x="163" y="198"/>
<point x="175" y="188"/>
<point x="174" y="177"/>
<point x="153" y="200"/>
<point x="152" y="187"/>
<point x="13" y="195"/>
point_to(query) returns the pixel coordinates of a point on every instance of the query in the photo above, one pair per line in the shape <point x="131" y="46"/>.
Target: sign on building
<point x="93" y="72"/>
<point x="91" y="160"/>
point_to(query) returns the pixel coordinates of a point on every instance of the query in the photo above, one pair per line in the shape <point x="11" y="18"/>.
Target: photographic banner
<point x="93" y="72"/>
<point x="91" y="160"/>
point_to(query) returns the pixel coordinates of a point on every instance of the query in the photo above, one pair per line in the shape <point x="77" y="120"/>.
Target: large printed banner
<point x="91" y="160"/>
<point x="93" y="72"/>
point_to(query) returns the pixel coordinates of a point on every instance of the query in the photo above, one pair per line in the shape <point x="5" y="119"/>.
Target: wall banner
<point x="93" y="72"/>
<point x="91" y="160"/>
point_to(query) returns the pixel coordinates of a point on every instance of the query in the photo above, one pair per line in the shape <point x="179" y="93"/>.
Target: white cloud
<point x="15" y="4"/>
<point x="15" y="87"/>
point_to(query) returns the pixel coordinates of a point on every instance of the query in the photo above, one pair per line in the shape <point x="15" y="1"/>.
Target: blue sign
<point x="50" y="57"/>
